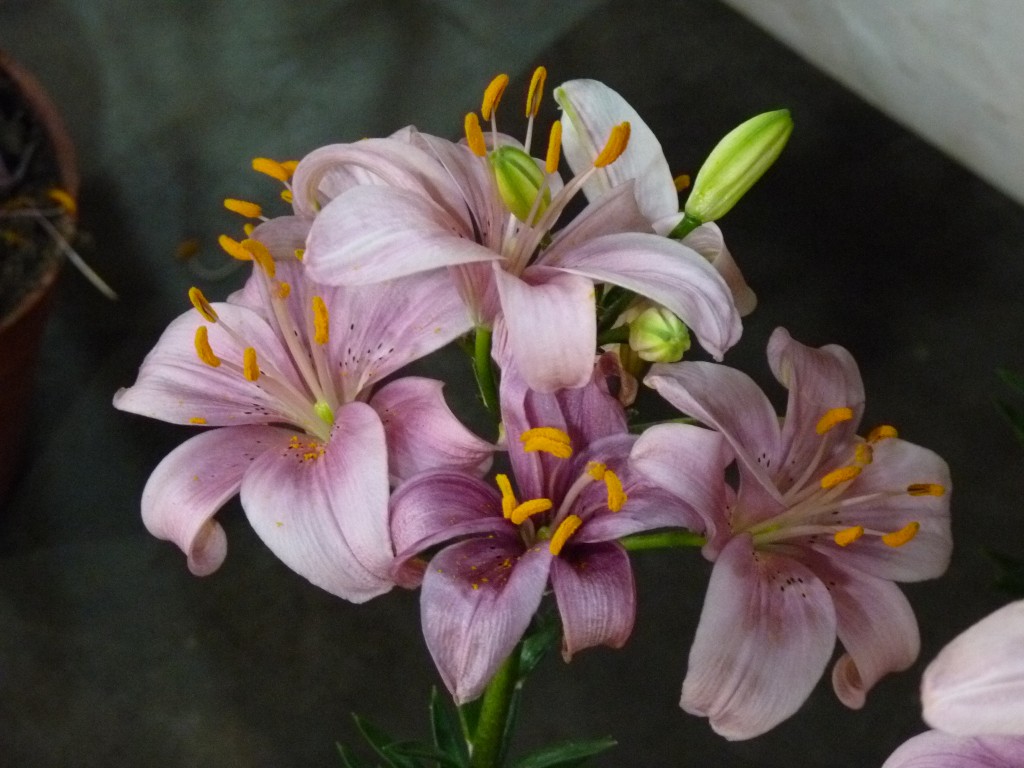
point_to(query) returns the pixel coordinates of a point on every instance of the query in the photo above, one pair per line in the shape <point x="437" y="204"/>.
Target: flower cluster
<point x="360" y="480"/>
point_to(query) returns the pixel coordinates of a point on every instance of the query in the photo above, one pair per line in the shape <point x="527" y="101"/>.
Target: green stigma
<point x="324" y="411"/>
<point x="519" y="180"/>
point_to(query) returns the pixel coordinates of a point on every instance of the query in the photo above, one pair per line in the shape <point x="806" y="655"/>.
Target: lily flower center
<point x="306" y="395"/>
<point x="533" y="516"/>
<point x="523" y="183"/>
<point x="818" y="504"/>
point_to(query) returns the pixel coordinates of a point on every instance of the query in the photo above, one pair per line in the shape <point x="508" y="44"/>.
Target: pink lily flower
<point x="976" y="683"/>
<point x="417" y="203"/>
<point x="822" y="523"/>
<point x="973" y="695"/>
<point x="286" y="368"/>
<point x="571" y="494"/>
<point x="934" y="749"/>
<point x="591" y="110"/>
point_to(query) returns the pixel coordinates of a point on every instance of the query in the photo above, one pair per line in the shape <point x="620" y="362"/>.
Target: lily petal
<point x="591" y="110"/>
<point x="664" y="271"/>
<point x="933" y="749"/>
<point x="707" y="240"/>
<point x="322" y="508"/>
<point x="477" y="600"/>
<point x="729" y="401"/>
<point x="551" y="326"/>
<point x="375" y="233"/>
<point x="762" y="642"/>
<point x="596" y="596"/>
<point x="194" y="481"/>
<point x="422" y="432"/>
<point x="976" y="683"/>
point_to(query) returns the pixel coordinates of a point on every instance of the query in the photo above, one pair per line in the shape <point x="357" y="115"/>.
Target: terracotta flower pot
<point x="21" y="329"/>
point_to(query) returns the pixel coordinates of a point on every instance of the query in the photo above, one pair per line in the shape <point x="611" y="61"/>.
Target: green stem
<point x="490" y="728"/>
<point x="615" y="308"/>
<point x="685" y="227"/>
<point x="662" y="540"/>
<point x="619" y="335"/>
<point x="484" y="371"/>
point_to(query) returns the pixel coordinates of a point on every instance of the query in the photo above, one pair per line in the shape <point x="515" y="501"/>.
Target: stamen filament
<point x="565" y="529"/>
<point x="528" y="509"/>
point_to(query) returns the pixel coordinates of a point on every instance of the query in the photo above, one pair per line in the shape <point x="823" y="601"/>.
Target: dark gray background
<point x="111" y="653"/>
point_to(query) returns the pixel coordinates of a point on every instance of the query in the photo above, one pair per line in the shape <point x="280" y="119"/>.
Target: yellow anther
<point x="202" y="306"/>
<point x="565" y="529"/>
<point x="882" y="432"/>
<point x="271" y="168"/>
<point x="197" y="420"/>
<point x="286" y="195"/>
<point x="863" y="454"/>
<point x="616" y="496"/>
<point x="321" y="328"/>
<point x="63" y="199"/>
<point x="187" y="249"/>
<point x="233" y="248"/>
<point x="248" y="228"/>
<point x="300" y="254"/>
<point x="528" y="508"/>
<point x="618" y="140"/>
<point x="290" y="166"/>
<point x="554" y="147"/>
<point x="847" y="536"/>
<point x="547" y="439"/>
<point x="902" y="536"/>
<point x="596" y="469"/>
<point x="832" y="418"/>
<point x="681" y="182"/>
<point x="533" y="96"/>
<point x="260" y="255"/>
<point x="492" y="95"/>
<point x="284" y="290"/>
<point x="508" y="497"/>
<point x="243" y="208"/>
<point x="203" y="349"/>
<point x="926" y="489"/>
<point x="475" y="135"/>
<point x="250" y="366"/>
<point x="837" y="476"/>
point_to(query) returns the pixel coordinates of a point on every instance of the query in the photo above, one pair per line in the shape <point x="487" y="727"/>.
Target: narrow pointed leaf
<point x="567" y="753"/>
<point x="348" y="760"/>
<point x="418" y="751"/>
<point x="445" y="730"/>
<point x="382" y="743"/>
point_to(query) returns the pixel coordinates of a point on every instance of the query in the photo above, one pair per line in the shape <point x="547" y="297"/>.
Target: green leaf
<point x="1009" y="572"/>
<point x="541" y="638"/>
<point x="381" y="743"/>
<point x="511" y="720"/>
<point x="445" y="730"/>
<point x="469" y="715"/>
<point x="566" y="754"/>
<point x="418" y="751"/>
<point x="348" y="760"/>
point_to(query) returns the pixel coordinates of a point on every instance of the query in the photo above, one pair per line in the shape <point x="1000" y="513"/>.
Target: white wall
<point x="951" y="70"/>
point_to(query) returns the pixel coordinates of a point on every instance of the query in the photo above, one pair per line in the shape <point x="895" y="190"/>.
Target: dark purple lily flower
<point x="571" y="495"/>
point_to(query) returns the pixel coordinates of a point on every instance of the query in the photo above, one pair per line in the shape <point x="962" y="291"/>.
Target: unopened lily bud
<point x="519" y="181"/>
<point x="738" y="161"/>
<point x="658" y="336"/>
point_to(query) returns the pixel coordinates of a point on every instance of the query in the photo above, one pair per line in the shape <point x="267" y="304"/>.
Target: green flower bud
<point x="658" y="336"/>
<point x="738" y="161"/>
<point x="519" y="180"/>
